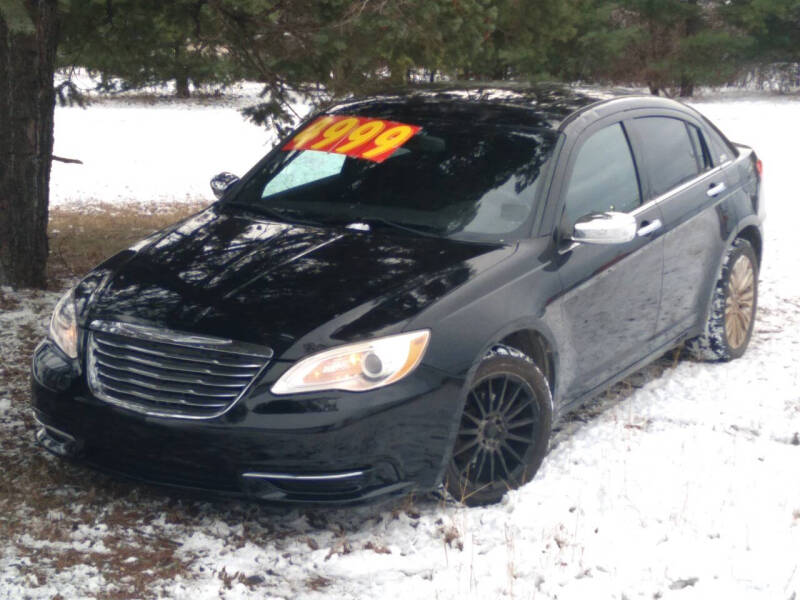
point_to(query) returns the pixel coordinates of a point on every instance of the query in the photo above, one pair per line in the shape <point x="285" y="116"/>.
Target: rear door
<point x="680" y="176"/>
<point x="611" y="292"/>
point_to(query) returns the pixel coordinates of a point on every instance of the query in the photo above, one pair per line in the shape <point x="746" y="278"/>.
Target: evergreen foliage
<point x="137" y="43"/>
<point x="668" y="45"/>
<point x="353" y="46"/>
<point x="322" y="47"/>
<point x="349" y="46"/>
<point x="772" y="29"/>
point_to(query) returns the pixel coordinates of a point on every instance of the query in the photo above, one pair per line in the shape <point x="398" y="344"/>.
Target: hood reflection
<point x="257" y="281"/>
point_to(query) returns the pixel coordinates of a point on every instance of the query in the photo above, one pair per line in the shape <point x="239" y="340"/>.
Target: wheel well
<point x="752" y="235"/>
<point x="536" y="346"/>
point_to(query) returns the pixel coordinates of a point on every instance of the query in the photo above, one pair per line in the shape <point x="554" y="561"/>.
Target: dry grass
<point x="59" y="518"/>
<point x="44" y="502"/>
<point x="81" y="238"/>
<point x="318" y="583"/>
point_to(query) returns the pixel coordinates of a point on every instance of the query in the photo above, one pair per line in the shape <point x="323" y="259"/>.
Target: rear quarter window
<point x="721" y="149"/>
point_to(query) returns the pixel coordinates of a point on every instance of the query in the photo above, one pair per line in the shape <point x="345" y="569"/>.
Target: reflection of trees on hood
<point x="419" y="293"/>
<point x="270" y="283"/>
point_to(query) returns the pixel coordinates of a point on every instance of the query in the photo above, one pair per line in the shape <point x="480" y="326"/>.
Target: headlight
<point x="356" y="367"/>
<point x="63" y="326"/>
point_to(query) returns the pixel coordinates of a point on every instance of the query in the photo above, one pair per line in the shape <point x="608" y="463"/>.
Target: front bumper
<point x="323" y="447"/>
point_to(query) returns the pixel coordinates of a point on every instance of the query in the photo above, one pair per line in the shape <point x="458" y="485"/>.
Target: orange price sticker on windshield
<point x="359" y="137"/>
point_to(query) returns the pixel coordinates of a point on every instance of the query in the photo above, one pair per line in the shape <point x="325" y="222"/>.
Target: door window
<point x="603" y="177"/>
<point x="670" y="157"/>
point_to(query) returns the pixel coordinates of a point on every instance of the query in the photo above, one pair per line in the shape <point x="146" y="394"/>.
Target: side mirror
<point x="220" y="183"/>
<point x="605" y="228"/>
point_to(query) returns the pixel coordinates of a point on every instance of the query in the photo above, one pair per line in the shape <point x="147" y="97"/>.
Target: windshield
<point x="453" y="180"/>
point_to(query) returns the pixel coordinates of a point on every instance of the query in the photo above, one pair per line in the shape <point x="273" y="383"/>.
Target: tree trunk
<point x="181" y="76"/>
<point x="693" y="25"/>
<point x="27" y="64"/>
<point x="687" y="87"/>
<point x="182" y="89"/>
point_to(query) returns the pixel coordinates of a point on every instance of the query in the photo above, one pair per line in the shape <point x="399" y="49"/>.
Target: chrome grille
<point x="169" y="373"/>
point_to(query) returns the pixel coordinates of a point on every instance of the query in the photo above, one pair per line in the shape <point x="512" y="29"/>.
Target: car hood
<point x="294" y="288"/>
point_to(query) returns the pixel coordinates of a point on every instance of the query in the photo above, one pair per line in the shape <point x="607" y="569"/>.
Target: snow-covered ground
<point x="136" y="151"/>
<point x="684" y="483"/>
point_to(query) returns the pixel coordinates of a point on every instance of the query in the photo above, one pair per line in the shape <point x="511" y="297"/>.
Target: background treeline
<point x="337" y="47"/>
<point x="345" y="46"/>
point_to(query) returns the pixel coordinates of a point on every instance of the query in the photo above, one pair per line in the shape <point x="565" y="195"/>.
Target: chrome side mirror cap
<point x="605" y="228"/>
<point x="222" y="182"/>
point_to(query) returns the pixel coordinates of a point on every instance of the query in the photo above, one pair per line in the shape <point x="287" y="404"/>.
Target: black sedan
<point x="408" y="290"/>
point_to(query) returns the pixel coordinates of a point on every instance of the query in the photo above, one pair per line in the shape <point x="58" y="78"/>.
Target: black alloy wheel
<point x="504" y="429"/>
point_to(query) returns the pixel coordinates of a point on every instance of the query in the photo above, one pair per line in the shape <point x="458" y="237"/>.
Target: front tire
<point x="733" y="307"/>
<point x="504" y="428"/>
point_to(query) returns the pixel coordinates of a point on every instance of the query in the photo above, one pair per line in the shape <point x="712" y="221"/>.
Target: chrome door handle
<point x="716" y="189"/>
<point x="652" y="226"/>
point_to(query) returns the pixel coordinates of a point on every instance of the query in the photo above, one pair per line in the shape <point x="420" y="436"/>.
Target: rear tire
<point x="733" y="307"/>
<point x="504" y="428"/>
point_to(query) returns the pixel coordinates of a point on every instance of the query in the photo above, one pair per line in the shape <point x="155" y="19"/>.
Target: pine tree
<point x="137" y="43"/>
<point x="596" y="50"/>
<point x="353" y="47"/>
<point x="773" y="29"/>
<point x="525" y="32"/>
<point x="347" y="46"/>
<point x="668" y="45"/>
<point x="343" y="47"/>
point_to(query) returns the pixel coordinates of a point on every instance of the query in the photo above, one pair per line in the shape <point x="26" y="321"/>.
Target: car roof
<point x="548" y="105"/>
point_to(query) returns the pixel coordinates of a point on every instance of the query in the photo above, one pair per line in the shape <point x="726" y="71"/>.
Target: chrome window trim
<point x="680" y="188"/>
<point x="169" y="337"/>
<point x="638" y="211"/>
<point x="650" y="204"/>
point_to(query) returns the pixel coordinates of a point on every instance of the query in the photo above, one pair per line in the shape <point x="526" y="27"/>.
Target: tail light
<point x="759" y="167"/>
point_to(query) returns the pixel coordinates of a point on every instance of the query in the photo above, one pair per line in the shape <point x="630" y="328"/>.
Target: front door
<point x="611" y="293"/>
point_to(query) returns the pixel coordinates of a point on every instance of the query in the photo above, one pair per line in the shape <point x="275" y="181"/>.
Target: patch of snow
<point x="150" y="154"/>
<point x="135" y="148"/>
<point x="238" y="93"/>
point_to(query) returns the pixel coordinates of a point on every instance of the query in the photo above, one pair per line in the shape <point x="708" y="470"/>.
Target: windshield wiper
<point x="275" y="214"/>
<point x="370" y="221"/>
